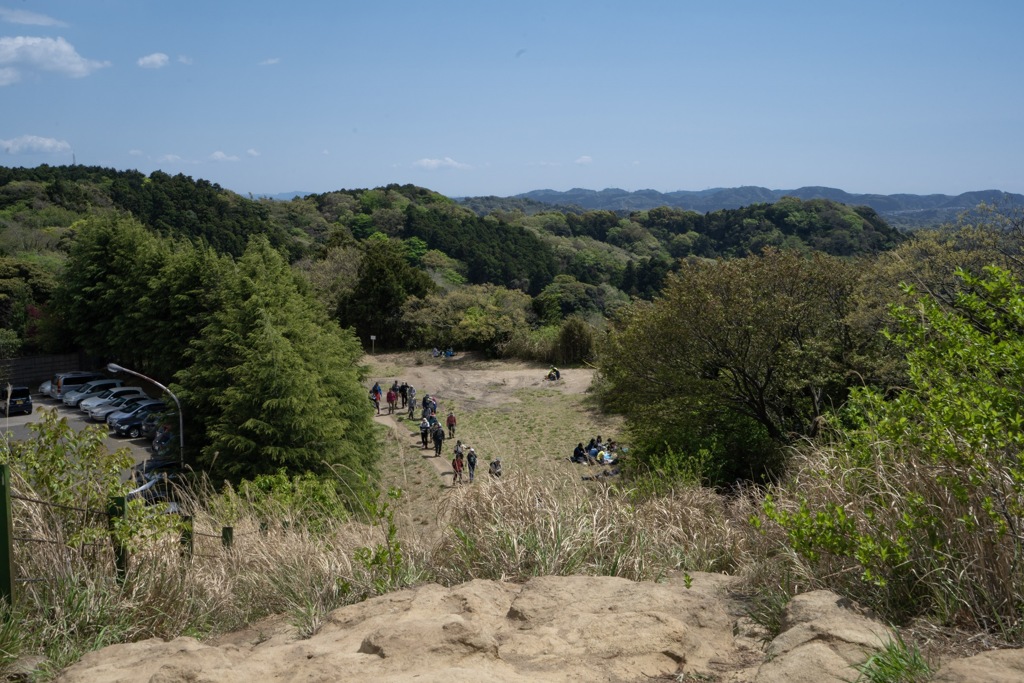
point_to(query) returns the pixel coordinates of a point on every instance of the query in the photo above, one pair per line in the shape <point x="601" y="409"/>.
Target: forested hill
<point x="902" y="210"/>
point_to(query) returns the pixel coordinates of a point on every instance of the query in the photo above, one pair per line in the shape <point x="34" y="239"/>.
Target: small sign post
<point x="373" y="339"/>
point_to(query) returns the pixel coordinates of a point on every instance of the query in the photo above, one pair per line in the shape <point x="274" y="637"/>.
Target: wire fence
<point x="116" y="509"/>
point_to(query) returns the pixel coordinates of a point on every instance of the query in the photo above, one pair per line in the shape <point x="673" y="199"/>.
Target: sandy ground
<point x="505" y="409"/>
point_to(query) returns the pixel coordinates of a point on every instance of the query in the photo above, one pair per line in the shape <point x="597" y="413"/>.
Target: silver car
<point x="90" y="389"/>
<point x="109" y="395"/>
<point x="100" y="412"/>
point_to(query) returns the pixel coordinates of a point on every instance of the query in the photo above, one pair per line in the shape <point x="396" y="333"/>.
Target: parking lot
<point x="16" y="428"/>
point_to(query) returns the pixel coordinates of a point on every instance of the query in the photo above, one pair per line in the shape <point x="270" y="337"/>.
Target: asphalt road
<point x="16" y="428"/>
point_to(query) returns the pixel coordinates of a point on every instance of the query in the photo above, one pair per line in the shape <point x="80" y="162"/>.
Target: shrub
<point x="916" y="507"/>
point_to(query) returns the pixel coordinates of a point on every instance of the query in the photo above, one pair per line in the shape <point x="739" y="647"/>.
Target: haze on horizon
<point x="473" y="98"/>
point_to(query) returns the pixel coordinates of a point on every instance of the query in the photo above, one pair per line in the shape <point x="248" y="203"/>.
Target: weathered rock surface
<point x="549" y="629"/>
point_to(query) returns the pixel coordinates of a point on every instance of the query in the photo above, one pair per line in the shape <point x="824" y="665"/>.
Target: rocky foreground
<point x="549" y="629"/>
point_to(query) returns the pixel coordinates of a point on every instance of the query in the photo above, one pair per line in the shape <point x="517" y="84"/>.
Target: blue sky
<point x="482" y="97"/>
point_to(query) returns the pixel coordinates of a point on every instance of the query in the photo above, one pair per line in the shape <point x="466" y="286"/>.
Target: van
<point x="18" y="401"/>
<point x="63" y="380"/>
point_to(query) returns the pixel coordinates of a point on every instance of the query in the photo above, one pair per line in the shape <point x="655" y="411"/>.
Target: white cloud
<point x="252" y="152"/>
<point x="583" y="160"/>
<point x="221" y="156"/>
<point x="271" y="61"/>
<point x="434" y="164"/>
<point x="169" y="158"/>
<point x="20" y="16"/>
<point x="33" y="144"/>
<point x="32" y="53"/>
<point x="157" y="60"/>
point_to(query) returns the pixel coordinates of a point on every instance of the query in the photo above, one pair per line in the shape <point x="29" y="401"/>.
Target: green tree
<point x="111" y="264"/>
<point x="385" y="281"/>
<point x="273" y="383"/>
<point x="915" y="507"/>
<point x="762" y="338"/>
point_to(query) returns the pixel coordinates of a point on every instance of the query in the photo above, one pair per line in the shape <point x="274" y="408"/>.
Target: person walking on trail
<point x="403" y="392"/>
<point x="438" y="436"/>
<point x="412" y="395"/>
<point x="424" y="431"/>
<point x="471" y="462"/>
<point x="392" y="400"/>
<point x="375" y="400"/>
<point x="457" y="469"/>
<point x="451" y="424"/>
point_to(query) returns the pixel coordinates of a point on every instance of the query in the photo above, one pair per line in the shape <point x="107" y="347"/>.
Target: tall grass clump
<point x="296" y="552"/>
<point x="915" y="506"/>
<point x="524" y="526"/>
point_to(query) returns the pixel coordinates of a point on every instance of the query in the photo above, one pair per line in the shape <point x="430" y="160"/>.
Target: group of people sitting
<point x="596" y="453"/>
<point x="447" y="353"/>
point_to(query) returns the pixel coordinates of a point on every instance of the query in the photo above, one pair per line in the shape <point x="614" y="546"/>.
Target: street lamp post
<point x="115" y="368"/>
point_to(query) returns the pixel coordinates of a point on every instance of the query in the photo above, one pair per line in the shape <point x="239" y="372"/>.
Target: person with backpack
<point x="471" y="462"/>
<point x="392" y="400"/>
<point x="457" y="469"/>
<point x="438" y="436"/>
<point x="403" y="392"/>
<point x="451" y="424"/>
<point x="495" y="468"/>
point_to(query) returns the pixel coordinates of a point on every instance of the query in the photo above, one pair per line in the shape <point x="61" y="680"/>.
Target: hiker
<point x="554" y="374"/>
<point x="438" y="436"/>
<point x="457" y="469"/>
<point x="459" y="449"/>
<point x="451" y="424"/>
<point x="495" y="468"/>
<point x="433" y="406"/>
<point x="424" y="431"/>
<point x="412" y="395"/>
<point x="403" y="393"/>
<point x="392" y="400"/>
<point x="426" y="400"/>
<point x="471" y="462"/>
<point x="375" y="400"/>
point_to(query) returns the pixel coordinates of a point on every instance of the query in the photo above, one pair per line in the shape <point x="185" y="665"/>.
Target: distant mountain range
<point x="898" y="209"/>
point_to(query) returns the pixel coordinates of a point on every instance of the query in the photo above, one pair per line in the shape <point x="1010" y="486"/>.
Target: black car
<point x="133" y="425"/>
<point x="19" y="400"/>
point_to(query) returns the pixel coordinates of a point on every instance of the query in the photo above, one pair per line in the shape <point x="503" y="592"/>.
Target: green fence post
<point x="116" y="509"/>
<point x="186" y="536"/>
<point x="7" y="538"/>
<point x="227" y="537"/>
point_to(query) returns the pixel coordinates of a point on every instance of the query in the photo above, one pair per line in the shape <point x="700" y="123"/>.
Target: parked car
<point x="90" y="389"/>
<point x="44" y="388"/>
<point x="100" y="412"/>
<point x="150" y="424"/>
<point x="19" y="400"/>
<point x="133" y="425"/>
<point x="65" y="381"/>
<point x="139" y="410"/>
<point x="152" y="467"/>
<point x="109" y="395"/>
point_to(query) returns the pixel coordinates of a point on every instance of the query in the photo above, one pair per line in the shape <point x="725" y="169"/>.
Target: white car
<point x="109" y="395"/>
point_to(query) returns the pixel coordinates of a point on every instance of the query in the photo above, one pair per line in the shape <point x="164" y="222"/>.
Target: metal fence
<point x="117" y="508"/>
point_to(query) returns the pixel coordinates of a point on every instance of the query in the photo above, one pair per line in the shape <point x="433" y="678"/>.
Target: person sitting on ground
<point x="495" y="468"/>
<point x="592" y="456"/>
<point x="450" y="352"/>
<point x="578" y="454"/>
<point x="435" y="352"/>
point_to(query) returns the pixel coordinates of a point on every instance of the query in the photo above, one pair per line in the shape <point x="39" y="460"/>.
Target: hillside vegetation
<point x="810" y="399"/>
